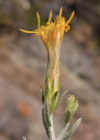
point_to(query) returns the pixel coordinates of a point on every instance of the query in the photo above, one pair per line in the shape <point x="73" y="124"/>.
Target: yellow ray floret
<point x="50" y="16"/>
<point x="38" y="18"/>
<point x="48" y="33"/>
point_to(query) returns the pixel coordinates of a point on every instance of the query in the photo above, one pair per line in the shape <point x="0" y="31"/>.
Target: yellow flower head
<point x="50" y="33"/>
<point x="51" y="36"/>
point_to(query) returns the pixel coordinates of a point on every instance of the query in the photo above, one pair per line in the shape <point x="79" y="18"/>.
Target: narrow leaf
<point x="45" y="124"/>
<point x="46" y="111"/>
<point x="75" y="106"/>
<point x="41" y="90"/>
<point x="53" y="101"/>
<point x="52" y="87"/>
<point x="67" y="116"/>
<point x="58" y="103"/>
<point x="72" y="130"/>
<point x="46" y="87"/>
<point x="59" y="82"/>
<point x="63" y="132"/>
<point x="70" y="105"/>
<point x="67" y="107"/>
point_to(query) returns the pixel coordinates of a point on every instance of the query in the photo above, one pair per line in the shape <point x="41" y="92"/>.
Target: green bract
<point x="71" y="105"/>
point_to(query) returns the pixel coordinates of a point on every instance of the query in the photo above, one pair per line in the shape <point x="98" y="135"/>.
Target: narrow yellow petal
<point x="63" y="21"/>
<point x="70" y="18"/>
<point x="50" y="16"/>
<point x="25" y="31"/>
<point x="36" y="35"/>
<point x="60" y="13"/>
<point x="38" y="18"/>
<point x="56" y="21"/>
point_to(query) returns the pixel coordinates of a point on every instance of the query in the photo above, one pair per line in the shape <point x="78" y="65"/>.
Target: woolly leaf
<point x="52" y="87"/>
<point x="53" y="101"/>
<point x="46" y="112"/>
<point x="58" y="82"/>
<point x="45" y="124"/>
<point x="72" y="130"/>
<point x="46" y="87"/>
<point x="41" y="90"/>
<point x="67" y="116"/>
<point x="75" y="106"/>
<point x="58" y="103"/>
<point x="63" y="132"/>
<point x="70" y="102"/>
<point x="71" y="105"/>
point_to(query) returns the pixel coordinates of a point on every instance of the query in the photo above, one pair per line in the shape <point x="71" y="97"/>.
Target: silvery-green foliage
<point x="67" y="116"/>
<point x="59" y="101"/>
<point x="41" y="90"/>
<point x="46" y="112"/>
<point x="48" y="122"/>
<point x="72" y="130"/>
<point x="53" y="102"/>
<point x="71" y="105"/>
<point x="46" y="126"/>
<point x="63" y="131"/>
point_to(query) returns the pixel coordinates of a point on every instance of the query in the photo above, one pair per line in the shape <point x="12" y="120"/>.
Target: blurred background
<point x="23" y="62"/>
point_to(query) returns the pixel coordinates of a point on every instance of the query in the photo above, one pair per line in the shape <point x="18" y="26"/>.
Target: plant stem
<point x="52" y="133"/>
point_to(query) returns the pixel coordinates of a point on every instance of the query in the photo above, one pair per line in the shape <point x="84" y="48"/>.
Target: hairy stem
<point x="52" y="133"/>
